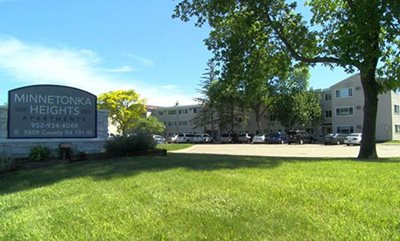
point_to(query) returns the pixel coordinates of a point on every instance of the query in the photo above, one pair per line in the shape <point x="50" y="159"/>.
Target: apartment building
<point x="342" y="108"/>
<point x="345" y="115"/>
<point x="178" y="118"/>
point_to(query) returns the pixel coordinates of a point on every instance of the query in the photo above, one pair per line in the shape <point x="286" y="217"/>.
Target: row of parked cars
<point x="297" y="136"/>
<point x="338" y="139"/>
<point x="191" y="138"/>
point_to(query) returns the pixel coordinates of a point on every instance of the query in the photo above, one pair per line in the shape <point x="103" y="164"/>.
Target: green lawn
<point x="393" y="142"/>
<point x="203" y="197"/>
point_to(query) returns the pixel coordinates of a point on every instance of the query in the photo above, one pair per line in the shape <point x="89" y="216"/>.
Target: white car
<point x="258" y="139"/>
<point x="353" y="139"/>
<point x="173" y="139"/>
<point x="185" y="138"/>
<point x="202" y="138"/>
<point x="197" y="138"/>
<point x="159" y="139"/>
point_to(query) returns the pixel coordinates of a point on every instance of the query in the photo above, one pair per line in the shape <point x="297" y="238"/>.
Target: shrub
<point x="129" y="144"/>
<point x="39" y="154"/>
<point x="6" y="164"/>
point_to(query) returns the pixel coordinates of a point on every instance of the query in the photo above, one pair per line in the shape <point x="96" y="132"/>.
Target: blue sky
<point x="100" y="45"/>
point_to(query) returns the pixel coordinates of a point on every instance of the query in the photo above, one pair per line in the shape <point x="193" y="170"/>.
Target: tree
<point x="226" y="102"/>
<point x="149" y="125"/>
<point x="297" y="104"/>
<point x="125" y="108"/>
<point x="361" y="35"/>
<point x="254" y="67"/>
<point x="297" y="109"/>
<point x="207" y="114"/>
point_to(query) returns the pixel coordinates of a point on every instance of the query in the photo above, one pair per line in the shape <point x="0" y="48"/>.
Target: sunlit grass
<point x="203" y="197"/>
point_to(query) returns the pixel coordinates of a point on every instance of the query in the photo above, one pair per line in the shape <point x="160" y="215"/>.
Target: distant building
<point x="342" y="109"/>
<point x="178" y="118"/>
<point x="343" y="105"/>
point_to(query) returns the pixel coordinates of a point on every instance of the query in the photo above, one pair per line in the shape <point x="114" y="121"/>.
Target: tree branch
<point x="319" y="59"/>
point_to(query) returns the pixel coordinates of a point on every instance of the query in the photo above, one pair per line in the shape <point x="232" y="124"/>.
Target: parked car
<point x="185" y="138"/>
<point x="299" y="136"/>
<point x="335" y="138"/>
<point x="353" y="139"/>
<point x="244" y="138"/>
<point x="159" y="139"/>
<point x="260" y="138"/>
<point x="207" y="138"/>
<point x="228" y="138"/>
<point x="197" y="138"/>
<point x="173" y="139"/>
<point x="276" y="138"/>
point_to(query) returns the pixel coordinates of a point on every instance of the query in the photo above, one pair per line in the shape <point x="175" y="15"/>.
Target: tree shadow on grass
<point x="124" y="167"/>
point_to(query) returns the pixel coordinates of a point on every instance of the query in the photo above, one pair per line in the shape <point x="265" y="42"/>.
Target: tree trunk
<point x="258" y="120"/>
<point x="368" y="142"/>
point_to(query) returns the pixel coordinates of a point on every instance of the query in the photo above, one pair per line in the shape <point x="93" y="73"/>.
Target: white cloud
<point x="143" y="61"/>
<point x="35" y="64"/>
<point x="121" y="69"/>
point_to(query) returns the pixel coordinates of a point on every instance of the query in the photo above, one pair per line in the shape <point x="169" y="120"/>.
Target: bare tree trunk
<point x="371" y="91"/>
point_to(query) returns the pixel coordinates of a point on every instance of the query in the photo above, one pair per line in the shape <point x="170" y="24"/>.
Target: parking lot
<point x="285" y="150"/>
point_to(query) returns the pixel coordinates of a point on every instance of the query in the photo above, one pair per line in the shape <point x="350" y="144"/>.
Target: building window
<point x="328" y="114"/>
<point x="397" y="129"/>
<point x="160" y="113"/>
<point x="345" y="129"/>
<point x="344" y="93"/>
<point x="328" y="96"/>
<point x="172" y="112"/>
<point x="344" y="111"/>
<point x="194" y="110"/>
<point x="185" y="111"/>
<point x="397" y="109"/>
<point x="183" y="123"/>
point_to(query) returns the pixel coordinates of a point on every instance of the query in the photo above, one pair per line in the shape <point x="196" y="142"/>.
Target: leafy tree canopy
<point x="149" y="125"/>
<point x="357" y="35"/>
<point x="125" y="108"/>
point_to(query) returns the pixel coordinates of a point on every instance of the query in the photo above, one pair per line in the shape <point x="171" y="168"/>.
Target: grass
<point x="173" y="147"/>
<point x="392" y="142"/>
<point x="203" y="197"/>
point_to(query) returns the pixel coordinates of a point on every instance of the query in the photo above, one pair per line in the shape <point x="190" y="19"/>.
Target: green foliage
<point x="5" y="163"/>
<point x="208" y="114"/>
<point x="203" y="197"/>
<point x="125" y="108"/>
<point x="39" y="154"/>
<point x="299" y="109"/>
<point x="358" y="35"/>
<point x="122" y="145"/>
<point x="149" y="125"/>
<point x="297" y="105"/>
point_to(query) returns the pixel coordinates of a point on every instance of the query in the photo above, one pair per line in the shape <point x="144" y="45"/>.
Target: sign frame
<point x="57" y="87"/>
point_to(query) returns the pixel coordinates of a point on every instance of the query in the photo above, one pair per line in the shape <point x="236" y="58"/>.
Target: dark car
<point x="334" y="139"/>
<point x="276" y="138"/>
<point x="245" y="138"/>
<point x="228" y="138"/>
<point x="299" y="137"/>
